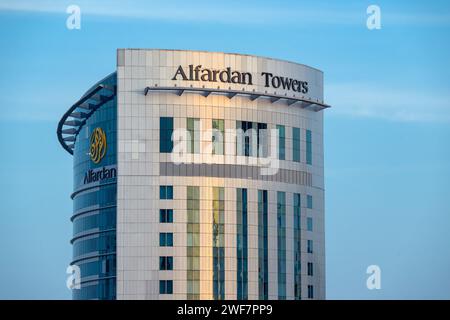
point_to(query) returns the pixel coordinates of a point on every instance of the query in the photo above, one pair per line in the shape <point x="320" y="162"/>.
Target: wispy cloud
<point x="388" y="103"/>
<point x="230" y="12"/>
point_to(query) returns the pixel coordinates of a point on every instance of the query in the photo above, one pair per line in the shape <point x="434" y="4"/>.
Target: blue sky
<point x="387" y="158"/>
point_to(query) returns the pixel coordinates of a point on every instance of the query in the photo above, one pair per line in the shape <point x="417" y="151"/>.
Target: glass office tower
<point x="239" y="215"/>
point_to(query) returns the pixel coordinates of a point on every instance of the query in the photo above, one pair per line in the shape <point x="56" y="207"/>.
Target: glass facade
<point x="218" y="243"/>
<point x="263" y="250"/>
<point x="297" y="247"/>
<point x="281" y="244"/>
<point x="242" y="244"/>
<point x="193" y="243"/>
<point x="236" y="218"/>
<point x="94" y="206"/>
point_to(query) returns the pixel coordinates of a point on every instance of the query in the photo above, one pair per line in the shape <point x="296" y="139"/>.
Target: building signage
<point x="100" y="174"/>
<point x="98" y="145"/>
<point x="227" y="75"/>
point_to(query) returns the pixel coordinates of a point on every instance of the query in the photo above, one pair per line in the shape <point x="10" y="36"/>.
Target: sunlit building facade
<point x="198" y="175"/>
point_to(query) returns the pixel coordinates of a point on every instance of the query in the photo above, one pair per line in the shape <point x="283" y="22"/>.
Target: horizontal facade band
<point x="302" y="102"/>
<point x="235" y="172"/>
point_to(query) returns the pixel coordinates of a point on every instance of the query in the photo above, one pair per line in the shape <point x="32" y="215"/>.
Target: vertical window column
<point x="308" y="147"/>
<point x="262" y="140"/>
<point x="297" y="247"/>
<point x="245" y="138"/>
<point x="193" y="139"/>
<point x="218" y="243"/>
<point x="296" y="144"/>
<point x="263" y="256"/>
<point x="241" y="244"/>
<point x="281" y="244"/>
<point x="193" y="243"/>
<point x="281" y="142"/>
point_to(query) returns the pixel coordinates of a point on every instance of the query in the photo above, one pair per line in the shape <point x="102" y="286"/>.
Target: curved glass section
<point x="94" y="201"/>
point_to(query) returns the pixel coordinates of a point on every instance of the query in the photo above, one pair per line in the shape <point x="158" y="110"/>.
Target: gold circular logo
<point x="98" y="145"/>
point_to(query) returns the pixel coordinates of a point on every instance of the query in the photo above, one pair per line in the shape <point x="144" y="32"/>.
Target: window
<point x="309" y="201"/>
<point x="193" y="242"/>
<point x="165" y="134"/>
<point x="218" y="136"/>
<point x="165" y="263"/>
<point x="310" y="292"/>
<point x="309" y="246"/>
<point x="309" y="224"/>
<point x="166" y="239"/>
<point x="245" y="138"/>
<point x="218" y="240"/>
<point x="242" y="244"/>
<point x="165" y="192"/>
<point x="263" y="147"/>
<point x="297" y="247"/>
<point x="281" y="244"/>
<point x="310" y="269"/>
<point x="281" y="142"/>
<point x="308" y="147"/>
<point x="193" y="139"/>
<point x="296" y="144"/>
<point x="165" y="286"/>
<point x="165" y="215"/>
<point x="263" y="254"/>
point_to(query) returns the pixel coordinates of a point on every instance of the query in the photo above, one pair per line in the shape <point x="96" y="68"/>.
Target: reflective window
<point x="193" y="242"/>
<point x="166" y="239"/>
<point x="308" y="147"/>
<point x="103" y="266"/>
<point x="165" y="134"/>
<point x="242" y="244"/>
<point x="281" y="142"/>
<point x="309" y="248"/>
<point x="193" y="139"/>
<point x="310" y="269"/>
<point x="310" y="292"/>
<point x="309" y="224"/>
<point x="281" y="244"/>
<point x="218" y="136"/>
<point x="218" y="243"/>
<point x="309" y="201"/>
<point x="165" y="263"/>
<point x="166" y="215"/>
<point x="296" y="144"/>
<point x="165" y="192"/>
<point x="297" y="247"/>
<point x="102" y="219"/>
<point x="263" y="254"/>
<point x="101" y="244"/>
<point x="100" y="289"/>
<point x="165" y="286"/>
<point x="95" y="209"/>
